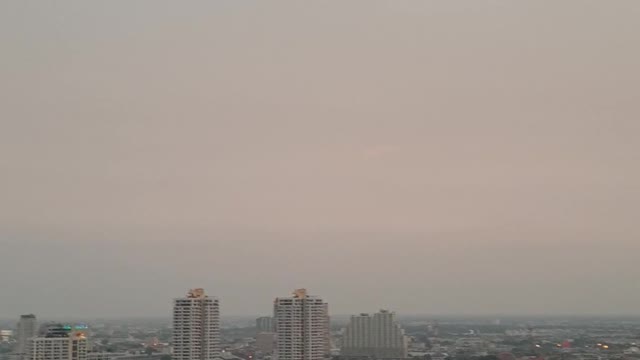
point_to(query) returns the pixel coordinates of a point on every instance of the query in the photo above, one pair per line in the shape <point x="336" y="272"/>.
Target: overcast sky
<point x="439" y="157"/>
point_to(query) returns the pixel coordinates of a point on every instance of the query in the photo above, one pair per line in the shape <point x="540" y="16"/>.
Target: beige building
<point x="196" y="327"/>
<point x="58" y="344"/>
<point x="301" y="323"/>
<point x="378" y="336"/>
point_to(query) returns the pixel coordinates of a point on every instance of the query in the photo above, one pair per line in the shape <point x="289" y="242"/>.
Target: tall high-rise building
<point x="265" y="337"/>
<point x="378" y="336"/>
<point x="60" y="343"/>
<point x="327" y="330"/>
<point x="27" y="329"/>
<point x="264" y="324"/>
<point x="301" y="323"/>
<point x="196" y="326"/>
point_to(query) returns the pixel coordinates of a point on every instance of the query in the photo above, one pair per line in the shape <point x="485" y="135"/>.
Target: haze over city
<point x="451" y="157"/>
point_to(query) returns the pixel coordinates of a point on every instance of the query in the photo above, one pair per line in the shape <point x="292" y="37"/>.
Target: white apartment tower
<point x="378" y="336"/>
<point x="196" y="327"/>
<point x="301" y="323"/>
<point x="59" y="343"/>
<point x="27" y="329"/>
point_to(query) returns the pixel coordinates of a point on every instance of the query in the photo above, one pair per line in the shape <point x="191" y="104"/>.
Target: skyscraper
<point x="301" y="327"/>
<point x="264" y="324"/>
<point x="27" y="329"/>
<point x="196" y="326"/>
<point x="60" y="343"/>
<point x="327" y="330"/>
<point x="378" y="336"/>
<point x="265" y="337"/>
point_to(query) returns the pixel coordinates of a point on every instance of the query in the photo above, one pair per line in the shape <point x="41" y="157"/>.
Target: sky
<point x="438" y="157"/>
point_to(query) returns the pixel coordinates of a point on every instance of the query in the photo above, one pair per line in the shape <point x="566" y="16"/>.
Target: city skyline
<point x="377" y="336"/>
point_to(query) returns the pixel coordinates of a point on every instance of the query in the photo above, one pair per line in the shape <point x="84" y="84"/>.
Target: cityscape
<point x="301" y="328"/>
<point x="319" y="180"/>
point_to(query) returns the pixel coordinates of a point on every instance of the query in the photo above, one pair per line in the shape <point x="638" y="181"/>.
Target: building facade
<point x="265" y="342"/>
<point x="378" y="336"/>
<point x="265" y="324"/>
<point x="6" y="335"/>
<point x="196" y="327"/>
<point x="60" y="343"/>
<point x="301" y="324"/>
<point x="27" y="329"/>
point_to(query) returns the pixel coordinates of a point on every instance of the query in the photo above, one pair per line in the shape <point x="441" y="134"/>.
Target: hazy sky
<point x="458" y="157"/>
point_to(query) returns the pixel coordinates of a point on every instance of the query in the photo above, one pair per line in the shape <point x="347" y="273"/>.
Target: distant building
<point x="265" y="324"/>
<point x="266" y="342"/>
<point x="301" y="327"/>
<point x="196" y="327"/>
<point x="60" y="343"/>
<point x="6" y="335"/>
<point x="266" y="337"/>
<point x="27" y="329"/>
<point x="327" y="329"/>
<point x="378" y="336"/>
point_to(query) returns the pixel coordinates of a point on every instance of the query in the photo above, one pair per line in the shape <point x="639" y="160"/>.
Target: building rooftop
<point x="196" y="293"/>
